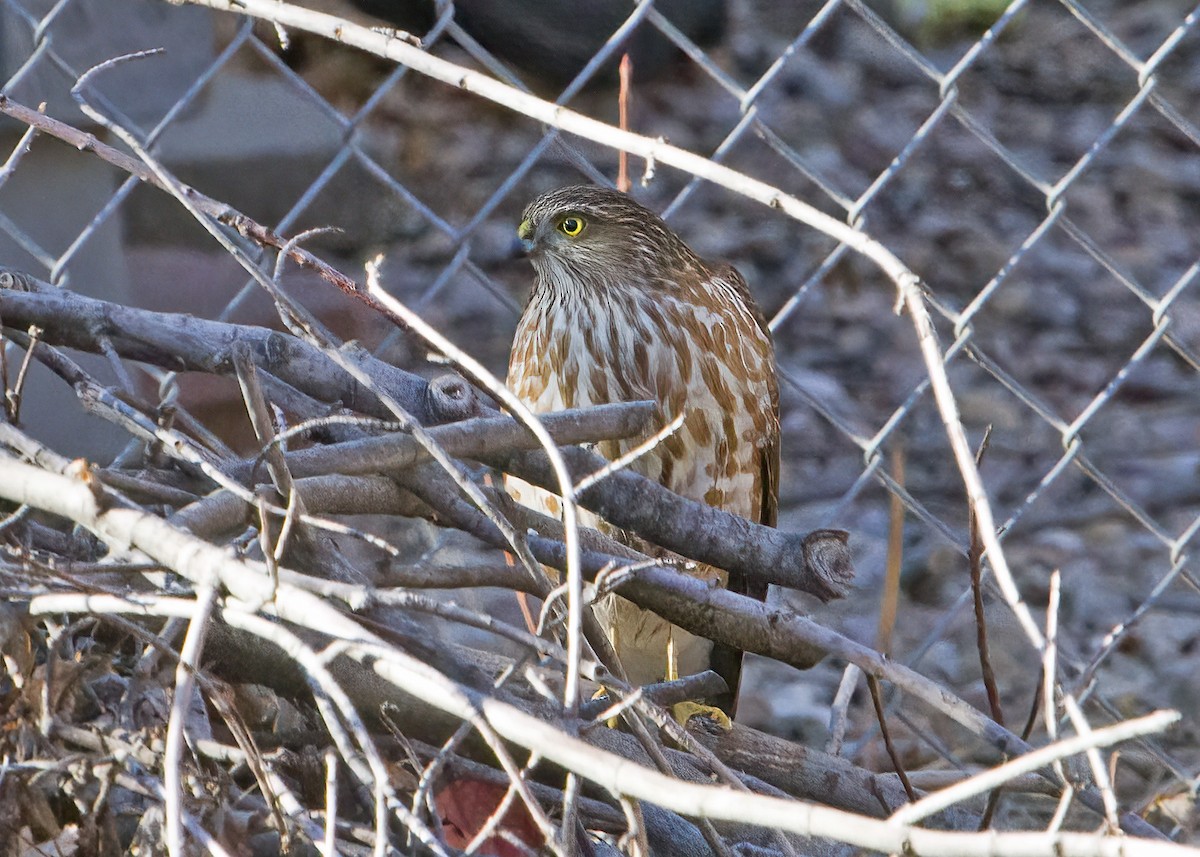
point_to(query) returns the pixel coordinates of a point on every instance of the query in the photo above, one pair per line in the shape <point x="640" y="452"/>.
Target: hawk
<point x="622" y="310"/>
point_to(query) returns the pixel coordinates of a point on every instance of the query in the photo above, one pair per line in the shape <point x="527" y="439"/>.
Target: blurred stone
<point x="994" y="407"/>
<point x="555" y="40"/>
<point x="264" y="709"/>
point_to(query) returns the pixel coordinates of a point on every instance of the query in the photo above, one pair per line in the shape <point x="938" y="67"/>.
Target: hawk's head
<point x="589" y="238"/>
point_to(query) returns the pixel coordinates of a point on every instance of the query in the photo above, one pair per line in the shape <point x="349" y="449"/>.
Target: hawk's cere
<point x="622" y="310"/>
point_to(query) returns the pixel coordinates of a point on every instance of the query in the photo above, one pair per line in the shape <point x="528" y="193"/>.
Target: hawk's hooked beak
<point x="524" y="243"/>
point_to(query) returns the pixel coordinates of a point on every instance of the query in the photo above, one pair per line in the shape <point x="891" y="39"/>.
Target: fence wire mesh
<point x="1036" y="164"/>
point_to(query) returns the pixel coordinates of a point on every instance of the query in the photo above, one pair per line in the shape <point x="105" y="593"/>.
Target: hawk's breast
<point x="713" y="366"/>
<point x="706" y="358"/>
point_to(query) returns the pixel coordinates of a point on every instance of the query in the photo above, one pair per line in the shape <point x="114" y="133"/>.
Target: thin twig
<point x="181" y="705"/>
<point x="975" y="563"/>
<point x="889" y="602"/>
<point x="1050" y="754"/>
<point x="475" y="370"/>
<point x="893" y="754"/>
<point x="623" y="461"/>
<point x="625" y="75"/>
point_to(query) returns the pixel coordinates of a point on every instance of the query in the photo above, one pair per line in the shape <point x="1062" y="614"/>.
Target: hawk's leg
<point x="602" y="691"/>
<point x="685" y="711"/>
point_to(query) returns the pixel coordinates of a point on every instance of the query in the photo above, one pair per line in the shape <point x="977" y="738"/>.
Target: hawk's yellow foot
<point x="600" y="693"/>
<point x="685" y="711"/>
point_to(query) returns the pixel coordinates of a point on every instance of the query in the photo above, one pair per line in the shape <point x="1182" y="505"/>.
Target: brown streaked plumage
<point x="623" y="310"/>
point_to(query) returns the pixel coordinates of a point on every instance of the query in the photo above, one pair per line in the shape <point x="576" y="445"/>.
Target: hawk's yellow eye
<point x="571" y="226"/>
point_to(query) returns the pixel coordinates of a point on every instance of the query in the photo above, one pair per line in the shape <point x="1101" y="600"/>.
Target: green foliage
<point x="938" y="21"/>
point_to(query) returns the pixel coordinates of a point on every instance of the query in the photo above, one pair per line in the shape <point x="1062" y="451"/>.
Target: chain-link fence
<point x="1035" y="164"/>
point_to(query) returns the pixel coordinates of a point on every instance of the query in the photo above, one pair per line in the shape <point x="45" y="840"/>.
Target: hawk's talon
<point x="602" y="693"/>
<point x="685" y="711"/>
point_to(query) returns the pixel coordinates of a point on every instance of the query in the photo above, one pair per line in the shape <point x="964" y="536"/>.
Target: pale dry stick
<point x="423" y="793"/>
<point x="122" y="374"/>
<point x="399" y="50"/>
<point x="331" y="804"/>
<point x="993" y="777"/>
<point x="975" y="564"/>
<point x="264" y="535"/>
<point x="33" y="450"/>
<point x="265" y="432"/>
<point x="1099" y="769"/>
<point x="634" y="838"/>
<point x="135" y="603"/>
<point x="382" y="841"/>
<point x="1050" y="666"/>
<point x="1073" y="711"/>
<point x="934" y="780"/>
<point x="840" y="708"/>
<point x="293" y="514"/>
<point x="190" y="557"/>
<point x="19" y="151"/>
<point x="631" y="456"/>
<point x="305" y="428"/>
<point x="289" y="805"/>
<point x="464" y="439"/>
<point x="21" y="514"/>
<point x="479" y="374"/>
<point x="876" y="690"/>
<point x="13" y="396"/>
<point x="1049" y="714"/>
<point x="189" y="658"/>
<point x="615" y="573"/>
<point x="56" y="635"/>
<point x="570" y="810"/>
<point x="618" y="708"/>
